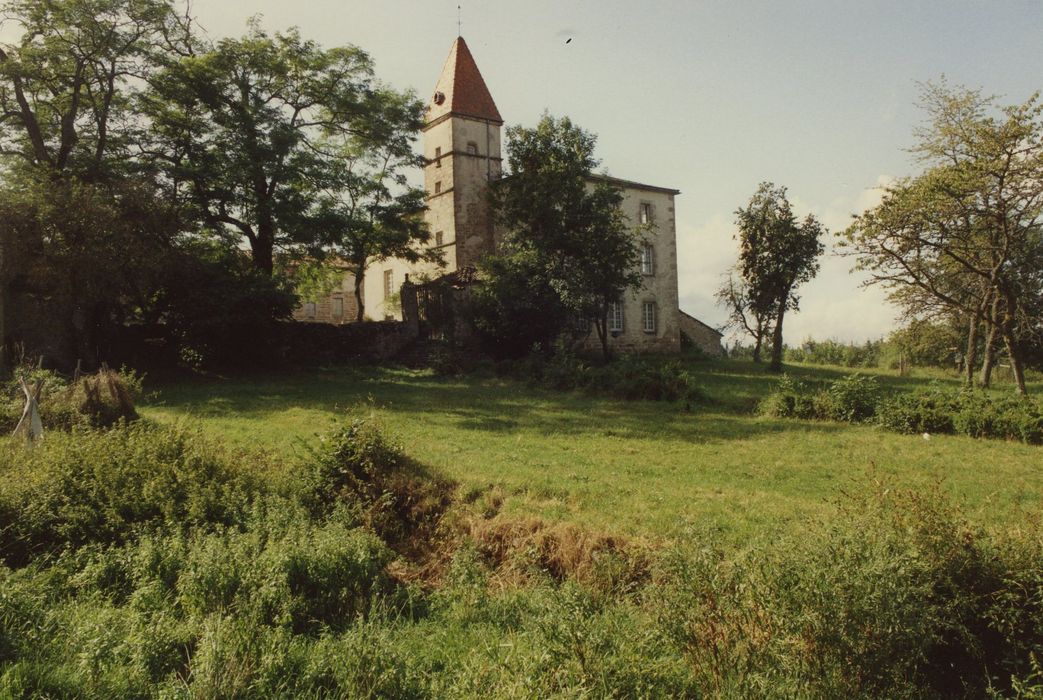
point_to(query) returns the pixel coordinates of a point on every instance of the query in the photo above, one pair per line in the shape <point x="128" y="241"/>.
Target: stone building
<point x="461" y="141"/>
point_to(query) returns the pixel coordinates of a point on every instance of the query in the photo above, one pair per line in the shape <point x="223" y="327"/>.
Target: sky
<point x="709" y="97"/>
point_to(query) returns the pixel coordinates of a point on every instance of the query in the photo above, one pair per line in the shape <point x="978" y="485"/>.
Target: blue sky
<point x="708" y="97"/>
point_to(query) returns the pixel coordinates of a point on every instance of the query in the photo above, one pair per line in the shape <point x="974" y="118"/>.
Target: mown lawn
<point x="639" y="468"/>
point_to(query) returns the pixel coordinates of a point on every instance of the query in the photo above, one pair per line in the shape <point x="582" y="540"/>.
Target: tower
<point x="462" y="149"/>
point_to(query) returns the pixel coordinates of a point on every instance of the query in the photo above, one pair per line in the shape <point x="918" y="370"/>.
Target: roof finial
<point x="459" y="22"/>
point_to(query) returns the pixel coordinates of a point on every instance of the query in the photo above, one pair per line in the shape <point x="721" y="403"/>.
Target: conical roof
<point x="461" y="89"/>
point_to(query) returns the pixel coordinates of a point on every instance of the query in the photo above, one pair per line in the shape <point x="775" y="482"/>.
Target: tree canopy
<point x="965" y="237"/>
<point x="566" y="221"/>
<point x="777" y="254"/>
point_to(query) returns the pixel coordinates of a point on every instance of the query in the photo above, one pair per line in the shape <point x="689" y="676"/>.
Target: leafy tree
<point x="248" y="132"/>
<point x="776" y="255"/>
<point x="967" y="234"/>
<point x="369" y="212"/>
<point x="567" y="220"/>
<point x="734" y="296"/>
<point x="516" y="308"/>
<point x="67" y="86"/>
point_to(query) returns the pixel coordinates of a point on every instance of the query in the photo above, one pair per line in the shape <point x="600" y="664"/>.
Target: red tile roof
<point x="461" y="89"/>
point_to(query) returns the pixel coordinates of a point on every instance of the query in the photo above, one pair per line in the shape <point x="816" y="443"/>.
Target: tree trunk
<point x="989" y="357"/>
<point x="970" y="359"/>
<point x="1017" y="368"/>
<point x="601" y="324"/>
<point x="757" y="346"/>
<point x="262" y="251"/>
<point x="776" y="340"/>
<point x="360" y="276"/>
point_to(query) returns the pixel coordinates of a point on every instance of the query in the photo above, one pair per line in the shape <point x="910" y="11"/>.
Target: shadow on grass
<point x="493" y="405"/>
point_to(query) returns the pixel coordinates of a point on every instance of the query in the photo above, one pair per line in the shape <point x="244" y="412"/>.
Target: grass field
<point x="638" y="468"/>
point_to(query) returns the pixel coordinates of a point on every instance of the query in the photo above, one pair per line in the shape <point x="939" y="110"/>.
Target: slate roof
<point x="462" y="88"/>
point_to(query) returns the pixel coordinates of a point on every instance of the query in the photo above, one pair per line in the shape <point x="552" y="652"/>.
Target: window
<point x="438" y="157"/>
<point x="647" y="259"/>
<point x="338" y="307"/>
<point x="388" y="284"/>
<point x="472" y="148"/>
<point x="309" y="309"/>
<point x="615" y="317"/>
<point x="438" y="187"/>
<point x="648" y="314"/>
<point x="439" y="236"/>
<point x="644" y="214"/>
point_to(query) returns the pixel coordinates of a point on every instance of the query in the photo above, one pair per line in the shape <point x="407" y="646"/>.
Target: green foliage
<point x="86" y="487"/>
<point x="357" y="468"/>
<point x="832" y="352"/>
<point x="290" y="593"/>
<point x="98" y="400"/>
<point x="515" y="308"/>
<point x="966" y="412"/>
<point x="776" y="255"/>
<point x="858" y="398"/>
<point x="631" y="377"/>
<point x="566" y="226"/>
<point x="852" y="398"/>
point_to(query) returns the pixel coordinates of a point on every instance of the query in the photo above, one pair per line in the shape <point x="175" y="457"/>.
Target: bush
<point x="358" y="468"/>
<point x="793" y="398"/>
<point x="630" y="378"/>
<point x="965" y="412"/>
<point x="898" y="596"/>
<point x="101" y="487"/>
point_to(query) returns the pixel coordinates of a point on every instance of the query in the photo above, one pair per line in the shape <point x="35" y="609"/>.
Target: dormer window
<point x="439" y="98"/>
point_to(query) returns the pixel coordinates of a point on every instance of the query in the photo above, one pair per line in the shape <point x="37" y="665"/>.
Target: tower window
<point x="615" y="317"/>
<point x="647" y="259"/>
<point x="648" y="316"/>
<point x="388" y="284"/>
<point x="472" y="148"/>
<point x="438" y="187"/>
<point x="439" y="236"/>
<point x="644" y="215"/>
<point x="438" y="157"/>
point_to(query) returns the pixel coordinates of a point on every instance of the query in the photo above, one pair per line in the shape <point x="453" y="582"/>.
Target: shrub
<point x="630" y="378"/>
<point x="853" y="398"/>
<point x="101" y="487"/>
<point x="793" y="398"/>
<point x="358" y="468"/>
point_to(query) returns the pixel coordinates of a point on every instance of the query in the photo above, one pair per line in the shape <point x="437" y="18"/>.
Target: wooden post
<point x="30" y="422"/>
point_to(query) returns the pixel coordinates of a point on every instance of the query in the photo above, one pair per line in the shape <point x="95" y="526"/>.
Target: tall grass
<point x="147" y="562"/>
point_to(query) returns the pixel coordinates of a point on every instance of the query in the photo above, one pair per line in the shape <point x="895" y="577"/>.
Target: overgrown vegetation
<point x="857" y="398"/>
<point x="145" y="561"/>
<point x="631" y="377"/>
<point x="97" y="400"/>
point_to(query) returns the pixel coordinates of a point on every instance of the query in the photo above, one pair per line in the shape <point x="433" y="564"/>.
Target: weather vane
<point x="459" y="22"/>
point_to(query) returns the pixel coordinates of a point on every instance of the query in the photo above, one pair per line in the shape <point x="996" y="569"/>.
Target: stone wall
<point x="322" y="343"/>
<point x="703" y="336"/>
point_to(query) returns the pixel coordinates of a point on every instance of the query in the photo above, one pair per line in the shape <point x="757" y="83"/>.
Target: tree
<point x="967" y="233"/>
<point x="248" y="132"/>
<point x="776" y="255"/>
<point x="368" y="211"/>
<point x="734" y="296"/>
<point x="81" y="227"/>
<point x="67" y="87"/>
<point x="570" y="221"/>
